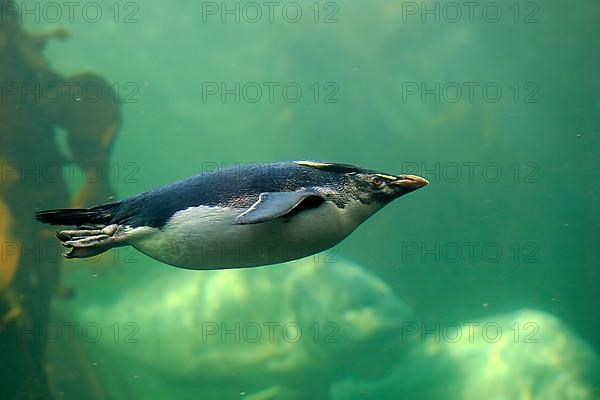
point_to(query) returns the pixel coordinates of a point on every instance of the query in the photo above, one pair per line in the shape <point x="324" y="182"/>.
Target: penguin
<point x="243" y="216"/>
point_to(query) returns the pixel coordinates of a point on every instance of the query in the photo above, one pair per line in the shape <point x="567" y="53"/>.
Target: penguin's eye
<point x="377" y="182"/>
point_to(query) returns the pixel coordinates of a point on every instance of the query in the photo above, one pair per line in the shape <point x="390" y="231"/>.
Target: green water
<point x="509" y="220"/>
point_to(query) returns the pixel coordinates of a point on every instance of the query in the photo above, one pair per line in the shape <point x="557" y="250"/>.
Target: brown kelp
<point x="31" y="109"/>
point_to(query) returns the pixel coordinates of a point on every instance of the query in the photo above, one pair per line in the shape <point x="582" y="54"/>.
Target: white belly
<point x="205" y="238"/>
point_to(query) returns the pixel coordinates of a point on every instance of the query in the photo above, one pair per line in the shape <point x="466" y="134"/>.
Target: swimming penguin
<point x="243" y="216"/>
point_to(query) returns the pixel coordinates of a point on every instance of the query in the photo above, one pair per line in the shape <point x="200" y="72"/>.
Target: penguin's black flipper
<point x="272" y="205"/>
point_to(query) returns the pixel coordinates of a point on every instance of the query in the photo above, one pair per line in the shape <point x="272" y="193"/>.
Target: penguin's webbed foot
<point x="90" y="242"/>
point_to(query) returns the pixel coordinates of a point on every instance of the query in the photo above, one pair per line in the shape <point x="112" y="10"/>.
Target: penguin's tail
<point x="95" y="234"/>
<point x="95" y="216"/>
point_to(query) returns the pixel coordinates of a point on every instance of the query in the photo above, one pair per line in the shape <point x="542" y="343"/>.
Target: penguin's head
<point x="381" y="188"/>
<point x="369" y="187"/>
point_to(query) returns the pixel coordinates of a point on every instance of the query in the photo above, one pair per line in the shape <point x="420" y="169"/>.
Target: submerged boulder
<point x="525" y="355"/>
<point x="287" y="330"/>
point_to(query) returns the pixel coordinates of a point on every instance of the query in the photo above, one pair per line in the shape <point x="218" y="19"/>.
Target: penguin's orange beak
<point x="411" y="182"/>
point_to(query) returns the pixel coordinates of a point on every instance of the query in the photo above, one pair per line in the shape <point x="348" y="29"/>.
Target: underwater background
<point x="495" y="103"/>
